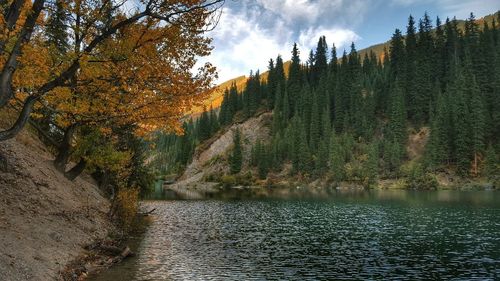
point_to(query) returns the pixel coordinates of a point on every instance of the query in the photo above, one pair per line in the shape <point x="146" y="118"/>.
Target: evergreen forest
<point x="349" y="118"/>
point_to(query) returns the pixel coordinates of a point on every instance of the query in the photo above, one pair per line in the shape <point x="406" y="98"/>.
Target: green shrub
<point x="417" y="178"/>
<point x="246" y="179"/>
<point x="228" y="180"/>
<point x="213" y="177"/>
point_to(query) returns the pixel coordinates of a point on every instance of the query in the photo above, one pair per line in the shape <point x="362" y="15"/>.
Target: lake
<point x="381" y="235"/>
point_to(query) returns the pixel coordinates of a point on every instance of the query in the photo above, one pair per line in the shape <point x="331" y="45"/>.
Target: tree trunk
<point x="10" y="65"/>
<point x="24" y="116"/>
<point x="104" y="184"/>
<point x="77" y="170"/>
<point x="64" y="150"/>
<point x="11" y="14"/>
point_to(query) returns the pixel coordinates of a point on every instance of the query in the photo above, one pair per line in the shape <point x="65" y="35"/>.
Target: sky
<point x="250" y="32"/>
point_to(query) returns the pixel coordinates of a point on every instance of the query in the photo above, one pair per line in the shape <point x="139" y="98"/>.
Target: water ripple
<point x="319" y="240"/>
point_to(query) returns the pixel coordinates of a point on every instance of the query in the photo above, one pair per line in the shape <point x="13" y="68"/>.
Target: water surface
<point x="391" y="235"/>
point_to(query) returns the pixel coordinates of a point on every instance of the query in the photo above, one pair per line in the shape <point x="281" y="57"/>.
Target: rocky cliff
<point x="211" y="157"/>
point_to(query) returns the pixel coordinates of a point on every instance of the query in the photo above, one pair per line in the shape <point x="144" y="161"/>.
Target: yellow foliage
<point x="34" y="69"/>
<point x="142" y="75"/>
<point x="127" y="201"/>
<point x="151" y="86"/>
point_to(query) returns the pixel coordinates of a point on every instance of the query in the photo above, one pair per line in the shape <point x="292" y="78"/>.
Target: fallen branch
<point x="123" y="255"/>
<point x="110" y="250"/>
<point x="148" y="212"/>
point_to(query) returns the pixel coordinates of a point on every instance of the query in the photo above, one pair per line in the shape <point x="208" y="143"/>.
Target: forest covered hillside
<point x="214" y="100"/>
<point x="426" y="112"/>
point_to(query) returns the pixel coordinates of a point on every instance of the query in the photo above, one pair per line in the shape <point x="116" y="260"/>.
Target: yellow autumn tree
<point x="129" y="83"/>
<point x="157" y="40"/>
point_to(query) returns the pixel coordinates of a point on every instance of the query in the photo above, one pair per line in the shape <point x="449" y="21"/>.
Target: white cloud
<point x="243" y="43"/>
<point x="342" y="38"/>
<point x="312" y="11"/>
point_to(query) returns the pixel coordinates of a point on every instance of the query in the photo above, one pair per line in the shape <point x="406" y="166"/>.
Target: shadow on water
<point x="469" y="198"/>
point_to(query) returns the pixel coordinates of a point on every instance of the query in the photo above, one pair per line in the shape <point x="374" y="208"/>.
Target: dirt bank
<point x="45" y="219"/>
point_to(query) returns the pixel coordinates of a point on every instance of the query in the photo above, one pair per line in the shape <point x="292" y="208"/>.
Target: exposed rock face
<point x="417" y="141"/>
<point x="211" y="156"/>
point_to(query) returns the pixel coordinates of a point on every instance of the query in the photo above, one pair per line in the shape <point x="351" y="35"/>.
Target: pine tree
<point x="411" y="47"/>
<point x="451" y="52"/>
<point x="225" y="114"/>
<point x="294" y="84"/>
<point x="333" y="61"/>
<point x="372" y="164"/>
<point x="261" y="158"/>
<point x="471" y="36"/>
<point x="393" y="156"/>
<point x="341" y="99"/>
<point x="315" y="125"/>
<point x="440" y="54"/>
<point x="356" y="94"/>
<point x="303" y="153"/>
<point x="321" y="163"/>
<point x="272" y="82"/>
<point x="439" y="149"/>
<point x="397" y="56"/>
<point x="424" y="62"/>
<point x="326" y="123"/>
<point x="204" y="128"/>
<point x="276" y="80"/>
<point x="486" y="76"/>
<point x="286" y="112"/>
<point x="491" y="164"/>
<point x="187" y="149"/>
<point x="252" y="94"/>
<point x="477" y="121"/>
<point x="301" y="158"/>
<point x="236" y="158"/>
<point x="214" y="122"/>
<point x="320" y="65"/>
<point x="494" y="103"/>
<point x="337" y="161"/>
<point x="461" y="121"/>
<point x="56" y="28"/>
<point x="397" y="118"/>
<point x="309" y="69"/>
<point x="234" y="101"/>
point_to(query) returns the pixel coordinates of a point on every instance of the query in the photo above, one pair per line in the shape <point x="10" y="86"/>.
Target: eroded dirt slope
<point x="45" y="219"/>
